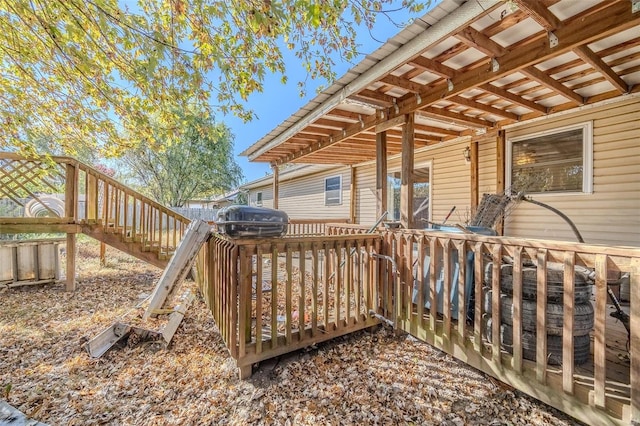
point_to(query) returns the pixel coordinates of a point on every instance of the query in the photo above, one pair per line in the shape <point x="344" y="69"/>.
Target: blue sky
<point x="277" y="102"/>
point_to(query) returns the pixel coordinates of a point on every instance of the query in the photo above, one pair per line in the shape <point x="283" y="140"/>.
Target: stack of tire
<point x="583" y="312"/>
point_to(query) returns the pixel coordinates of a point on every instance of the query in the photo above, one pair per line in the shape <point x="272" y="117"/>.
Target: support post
<point x="381" y="173"/>
<point x="70" y="197"/>
<point x="276" y="186"/>
<point x="474" y="176"/>
<point x="500" y="171"/>
<point x="353" y="195"/>
<point x="406" y="187"/>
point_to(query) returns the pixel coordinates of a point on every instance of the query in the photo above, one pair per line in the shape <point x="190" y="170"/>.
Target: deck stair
<point x="95" y="204"/>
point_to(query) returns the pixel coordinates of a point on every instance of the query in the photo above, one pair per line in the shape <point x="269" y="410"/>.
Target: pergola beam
<point x="543" y="16"/>
<point x="592" y="59"/>
<point x="511" y="97"/>
<point x="577" y="31"/>
<point x="474" y="38"/>
<point x="535" y="74"/>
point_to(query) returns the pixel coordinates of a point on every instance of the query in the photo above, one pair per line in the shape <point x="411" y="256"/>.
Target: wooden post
<point x="406" y="187"/>
<point x="500" y="171"/>
<point x="353" y="196"/>
<point x="276" y="188"/>
<point x="474" y="176"/>
<point x="381" y="173"/>
<point x="70" y="197"/>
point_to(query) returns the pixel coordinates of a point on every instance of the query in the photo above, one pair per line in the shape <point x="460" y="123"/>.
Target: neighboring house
<point x="306" y="192"/>
<point x="473" y="100"/>
<point x="227" y="199"/>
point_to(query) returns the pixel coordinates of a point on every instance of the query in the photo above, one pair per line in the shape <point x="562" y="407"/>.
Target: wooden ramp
<point x="151" y="327"/>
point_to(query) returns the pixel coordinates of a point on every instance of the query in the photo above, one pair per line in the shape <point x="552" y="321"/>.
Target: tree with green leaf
<point x="109" y="74"/>
<point x="197" y="162"/>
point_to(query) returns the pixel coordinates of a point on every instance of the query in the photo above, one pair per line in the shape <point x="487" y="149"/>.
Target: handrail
<point x="96" y="200"/>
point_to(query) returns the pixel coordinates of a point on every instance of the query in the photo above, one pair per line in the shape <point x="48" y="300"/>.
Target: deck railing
<point x="310" y="227"/>
<point x="91" y="198"/>
<point x="273" y="296"/>
<point x="461" y="268"/>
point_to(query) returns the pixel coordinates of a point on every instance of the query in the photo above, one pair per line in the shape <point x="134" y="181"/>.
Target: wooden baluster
<point x="274" y="296"/>
<point x="91" y="199"/>
<point x="496" y="257"/>
<point x="314" y="291"/>
<point x="477" y="278"/>
<point x="568" y="321"/>
<point x="433" y="276"/>
<point x="348" y="281"/>
<point x="420" y="282"/>
<point x="325" y="294"/>
<point x="288" y="295"/>
<point x="245" y="289"/>
<point x="462" y="290"/>
<point x="125" y="222"/>
<point x="541" y="317"/>
<point x="134" y="219"/>
<point x="337" y="279"/>
<point x="259" y="260"/>
<point x="600" y="332"/>
<point x="359" y="279"/>
<point x="517" y="309"/>
<point x="302" y="298"/>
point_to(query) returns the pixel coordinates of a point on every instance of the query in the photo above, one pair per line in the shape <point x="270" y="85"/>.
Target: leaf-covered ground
<point x="371" y="377"/>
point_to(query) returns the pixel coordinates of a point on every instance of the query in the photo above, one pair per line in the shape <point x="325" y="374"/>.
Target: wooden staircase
<point x="95" y="204"/>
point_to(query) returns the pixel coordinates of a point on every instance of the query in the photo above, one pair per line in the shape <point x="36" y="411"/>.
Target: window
<point x="258" y="198"/>
<point x="333" y="191"/>
<point x="556" y="161"/>
<point x="421" y="194"/>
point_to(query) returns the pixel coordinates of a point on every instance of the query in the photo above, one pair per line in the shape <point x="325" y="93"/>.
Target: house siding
<point x="303" y="197"/>
<point x="487" y="170"/>
<point x="267" y="196"/>
<point x="611" y="214"/>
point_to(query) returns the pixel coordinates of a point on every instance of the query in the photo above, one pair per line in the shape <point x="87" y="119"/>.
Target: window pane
<point x="393" y="196"/>
<point x="332" y="190"/>
<point x="548" y="163"/>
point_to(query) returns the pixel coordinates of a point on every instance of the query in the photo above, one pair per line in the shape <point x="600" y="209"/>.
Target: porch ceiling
<point x="503" y="65"/>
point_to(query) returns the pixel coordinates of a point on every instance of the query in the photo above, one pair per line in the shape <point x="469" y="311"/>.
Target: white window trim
<point x="340" y="191"/>
<point x="587" y="157"/>
<point x="261" y="200"/>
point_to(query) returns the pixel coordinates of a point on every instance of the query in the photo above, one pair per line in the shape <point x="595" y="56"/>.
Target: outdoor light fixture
<point x="467" y="155"/>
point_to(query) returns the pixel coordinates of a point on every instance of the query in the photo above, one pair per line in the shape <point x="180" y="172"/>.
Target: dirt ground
<point x="371" y="377"/>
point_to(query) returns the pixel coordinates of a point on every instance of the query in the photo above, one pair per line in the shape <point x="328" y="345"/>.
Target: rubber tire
<point x="555" y="291"/>
<point x="555" y="283"/>
<point x="582" y="323"/>
<point x="581" y="345"/>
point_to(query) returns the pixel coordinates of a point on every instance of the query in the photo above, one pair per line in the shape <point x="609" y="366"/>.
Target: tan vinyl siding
<point x="366" y="194"/>
<point x="611" y="214"/>
<point x="487" y="172"/>
<point x="267" y="196"/>
<point x="303" y="197"/>
<point x="451" y="182"/>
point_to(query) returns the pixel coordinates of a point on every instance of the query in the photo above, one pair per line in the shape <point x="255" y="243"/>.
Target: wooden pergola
<point x="467" y="73"/>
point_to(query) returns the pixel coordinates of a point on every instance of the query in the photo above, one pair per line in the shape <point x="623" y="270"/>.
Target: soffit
<point x="499" y="68"/>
